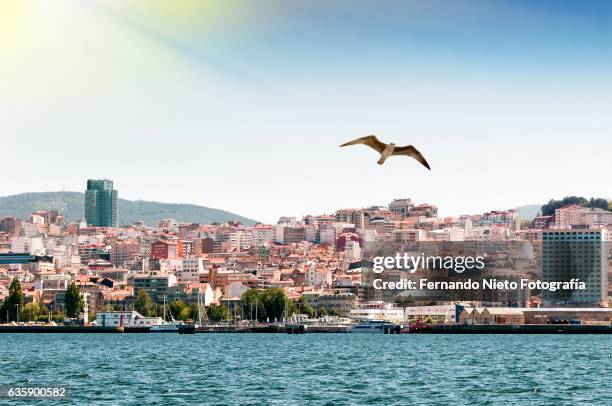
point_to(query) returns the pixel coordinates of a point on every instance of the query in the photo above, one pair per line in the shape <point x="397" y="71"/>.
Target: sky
<point x="243" y="105"/>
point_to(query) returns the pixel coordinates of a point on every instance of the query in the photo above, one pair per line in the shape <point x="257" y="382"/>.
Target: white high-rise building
<point x="190" y="270"/>
<point x="327" y="235"/>
<point x="566" y="216"/>
<point x="352" y="250"/>
<point x="33" y="246"/>
<point x="241" y="239"/>
<point x="262" y="234"/>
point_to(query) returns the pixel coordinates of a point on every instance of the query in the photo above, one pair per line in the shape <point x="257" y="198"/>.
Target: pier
<point x="515" y="329"/>
<point x="61" y="329"/>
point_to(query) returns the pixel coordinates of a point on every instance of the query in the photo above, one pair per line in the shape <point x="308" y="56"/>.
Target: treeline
<point x="175" y="309"/>
<point x="14" y="308"/>
<point x="262" y="305"/>
<point x="549" y="208"/>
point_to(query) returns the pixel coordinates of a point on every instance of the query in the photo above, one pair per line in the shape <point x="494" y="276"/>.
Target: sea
<point x="310" y="369"/>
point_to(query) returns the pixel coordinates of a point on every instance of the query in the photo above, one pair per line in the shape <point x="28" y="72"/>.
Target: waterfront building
<point x="492" y="315"/>
<point x="101" y="203"/>
<point x="126" y="319"/>
<point x="377" y="310"/>
<point x="339" y="303"/>
<point x="533" y="315"/>
<point x="435" y="313"/>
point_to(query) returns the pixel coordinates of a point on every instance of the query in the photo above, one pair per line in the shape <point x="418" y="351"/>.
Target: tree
<point x="218" y="313"/>
<point x="13" y="302"/>
<point x="252" y="304"/>
<point x="185" y="314"/>
<point x="194" y="311"/>
<point x="106" y="308"/>
<point x="323" y="311"/>
<point x="275" y="302"/>
<point x="31" y="311"/>
<point x="305" y="308"/>
<point x="549" y="208"/>
<point x="74" y="301"/>
<point x="175" y="308"/>
<point x="144" y="304"/>
<point x="598" y="203"/>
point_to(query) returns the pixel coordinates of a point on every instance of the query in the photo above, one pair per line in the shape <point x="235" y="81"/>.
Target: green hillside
<point x="71" y="205"/>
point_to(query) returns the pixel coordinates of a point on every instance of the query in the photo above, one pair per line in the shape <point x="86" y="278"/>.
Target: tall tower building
<point x="101" y="203"/>
<point x="575" y="254"/>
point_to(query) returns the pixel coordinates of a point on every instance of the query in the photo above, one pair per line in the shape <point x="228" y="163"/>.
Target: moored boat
<point x="375" y="327"/>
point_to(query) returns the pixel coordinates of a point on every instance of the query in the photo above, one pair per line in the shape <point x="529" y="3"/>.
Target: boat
<point x="172" y="326"/>
<point x="166" y="327"/>
<point x="375" y="327"/>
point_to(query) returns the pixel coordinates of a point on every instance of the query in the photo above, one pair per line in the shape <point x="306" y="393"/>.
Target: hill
<point x="71" y="205"/>
<point x="528" y="211"/>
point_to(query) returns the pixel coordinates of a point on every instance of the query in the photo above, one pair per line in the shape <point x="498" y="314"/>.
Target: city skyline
<point x="228" y="105"/>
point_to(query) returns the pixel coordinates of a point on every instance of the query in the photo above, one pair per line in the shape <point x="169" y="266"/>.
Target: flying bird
<point x="387" y="150"/>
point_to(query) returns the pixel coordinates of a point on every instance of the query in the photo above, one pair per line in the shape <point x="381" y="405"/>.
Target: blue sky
<point x="242" y="106"/>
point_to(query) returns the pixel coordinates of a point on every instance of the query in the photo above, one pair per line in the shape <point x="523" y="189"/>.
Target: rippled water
<point x="314" y="369"/>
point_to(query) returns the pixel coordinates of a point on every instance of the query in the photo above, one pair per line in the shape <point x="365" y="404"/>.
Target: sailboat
<point x="173" y="326"/>
<point x="200" y="305"/>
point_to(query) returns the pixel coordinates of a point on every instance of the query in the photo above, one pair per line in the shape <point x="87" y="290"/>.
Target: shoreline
<point x="294" y="329"/>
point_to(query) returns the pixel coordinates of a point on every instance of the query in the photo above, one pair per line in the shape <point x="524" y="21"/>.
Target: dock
<point x="515" y="329"/>
<point x="61" y="329"/>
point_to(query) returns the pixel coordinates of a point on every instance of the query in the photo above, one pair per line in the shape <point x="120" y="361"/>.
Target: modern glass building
<point x="575" y="254"/>
<point x="101" y="203"/>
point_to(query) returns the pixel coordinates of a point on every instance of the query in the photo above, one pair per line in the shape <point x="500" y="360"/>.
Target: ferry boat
<point x="166" y="327"/>
<point x="375" y="327"/>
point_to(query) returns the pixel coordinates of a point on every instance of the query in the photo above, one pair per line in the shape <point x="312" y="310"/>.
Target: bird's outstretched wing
<point x="369" y="140"/>
<point x="413" y="152"/>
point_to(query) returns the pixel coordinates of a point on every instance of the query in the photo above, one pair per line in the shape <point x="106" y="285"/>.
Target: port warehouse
<point x="466" y="314"/>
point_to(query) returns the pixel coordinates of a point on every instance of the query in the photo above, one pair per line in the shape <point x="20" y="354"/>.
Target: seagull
<point x="386" y="150"/>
